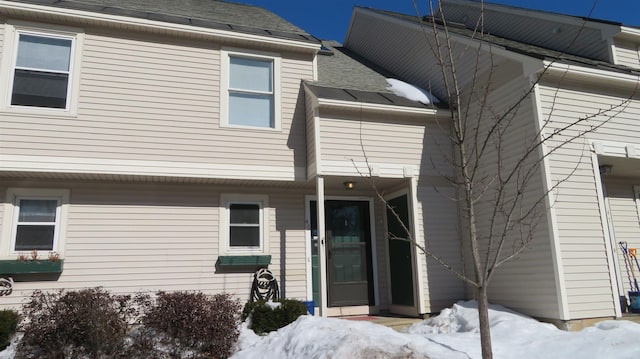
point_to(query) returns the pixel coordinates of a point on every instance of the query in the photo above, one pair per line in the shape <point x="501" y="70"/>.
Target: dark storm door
<point x="349" y="268"/>
<point x="400" y="258"/>
<point x="349" y="274"/>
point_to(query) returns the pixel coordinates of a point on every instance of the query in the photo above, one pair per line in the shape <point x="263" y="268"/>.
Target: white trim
<point x="316" y="138"/>
<point x="307" y="247"/>
<point x="13" y="29"/>
<point x="322" y="248"/>
<point x="615" y="291"/>
<point x="612" y="238"/>
<point x="357" y="168"/>
<point x="416" y="263"/>
<point x="88" y="16"/>
<point x="10" y="217"/>
<point x="420" y="259"/>
<point x="57" y="164"/>
<point x="227" y="199"/>
<point x="587" y="73"/>
<point x="616" y="149"/>
<point x="356" y="105"/>
<point x="225" y="56"/>
<point x="552" y="222"/>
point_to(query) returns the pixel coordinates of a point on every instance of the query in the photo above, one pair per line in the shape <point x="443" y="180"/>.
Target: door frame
<point x="374" y="252"/>
<point x="416" y="263"/>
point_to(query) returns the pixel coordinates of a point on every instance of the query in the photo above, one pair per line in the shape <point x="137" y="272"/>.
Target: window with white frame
<point x="34" y="221"/>
<point x="36" y="224"/>
<point x="244" y="223"/>
<point x="41" y="71"/>
<point x="250" y="91"/>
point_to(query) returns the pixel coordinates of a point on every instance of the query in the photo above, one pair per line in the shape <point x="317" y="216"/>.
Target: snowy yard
<point x="452" y="334"/>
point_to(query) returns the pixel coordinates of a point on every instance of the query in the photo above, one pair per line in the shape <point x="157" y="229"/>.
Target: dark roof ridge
<point x="212" y="14"/>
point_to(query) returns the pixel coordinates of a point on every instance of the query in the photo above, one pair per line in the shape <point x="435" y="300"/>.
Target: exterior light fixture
<point x="605" y="170"/>
<point x="349" y="185"/>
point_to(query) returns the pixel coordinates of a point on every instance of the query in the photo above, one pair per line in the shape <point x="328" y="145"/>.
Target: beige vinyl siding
<point x="151" y="106"/>
<point x="312" y="164"/>
<point x="130" y="238"/>
<point x="438" y="232"/>
<point x="625" y="222"/>
<point x="349" y="143"/>
<point x="581" y="231"/>
<point x="627" y="53"/>
<point x="528" y="282"/>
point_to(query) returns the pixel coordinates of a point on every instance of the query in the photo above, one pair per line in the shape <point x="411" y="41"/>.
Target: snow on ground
<point x="452" y="334"/>
<point x="410" y="92"/>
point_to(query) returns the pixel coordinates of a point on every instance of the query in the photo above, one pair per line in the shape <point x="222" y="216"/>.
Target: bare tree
<point x="498" y="152"/>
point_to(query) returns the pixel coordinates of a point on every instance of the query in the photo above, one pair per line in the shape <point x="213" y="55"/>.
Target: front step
<point x="633" y="317"/>
<point x="396" y="323"/>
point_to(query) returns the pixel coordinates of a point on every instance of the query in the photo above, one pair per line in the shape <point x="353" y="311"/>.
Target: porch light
<point x="605" y="170"/>
<point x="349" y="185"/>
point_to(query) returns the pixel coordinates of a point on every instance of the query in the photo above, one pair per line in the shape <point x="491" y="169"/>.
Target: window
<point x="41" y="72"/>
<point x="36" y="224"/>
<point x="244" y="223"/>
<point x="250" y="98"/>
<point x="35" y="220"/>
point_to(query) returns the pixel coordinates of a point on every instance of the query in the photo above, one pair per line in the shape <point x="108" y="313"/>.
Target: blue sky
<point x="329" y="19"/>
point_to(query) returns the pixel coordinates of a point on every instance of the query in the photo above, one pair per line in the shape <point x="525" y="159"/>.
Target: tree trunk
<point x="483" y="314"/>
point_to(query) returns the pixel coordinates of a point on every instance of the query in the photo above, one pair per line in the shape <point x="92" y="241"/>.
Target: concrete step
<point x="396" y="323"/>
<point x="634" y="317"/>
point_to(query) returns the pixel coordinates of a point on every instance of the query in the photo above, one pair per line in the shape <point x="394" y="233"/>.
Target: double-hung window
<point x="41" y="71"/>
<point x="36" y="224"/>
<point x="39" y="68"/>
<point x="34" y="220"/>
<point x="243" y="226"/>
<point x="251" y="93"/>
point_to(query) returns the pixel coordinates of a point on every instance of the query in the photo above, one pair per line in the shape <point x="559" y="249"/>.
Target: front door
<point x="348" y="236"/>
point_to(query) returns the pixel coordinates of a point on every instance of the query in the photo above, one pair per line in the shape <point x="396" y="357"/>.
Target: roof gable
<point x="573" y="35"/>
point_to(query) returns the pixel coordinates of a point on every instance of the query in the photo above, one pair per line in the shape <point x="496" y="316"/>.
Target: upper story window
<point x="41" y="72"/>
<point x="250" y="96"/>
<point x="39" y="68"/>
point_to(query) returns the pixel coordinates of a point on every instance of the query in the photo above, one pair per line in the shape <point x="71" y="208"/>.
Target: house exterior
<point x="157" y="145"/>
<point x="558" y="69"/>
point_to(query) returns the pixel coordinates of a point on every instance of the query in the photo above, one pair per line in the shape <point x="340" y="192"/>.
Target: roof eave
<point x="48" y="11"/>
<point x="593" y="75"/>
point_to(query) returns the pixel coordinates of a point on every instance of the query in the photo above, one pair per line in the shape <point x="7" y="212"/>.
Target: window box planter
<point x="30" y="267"/>
<point x="244" y="261"/>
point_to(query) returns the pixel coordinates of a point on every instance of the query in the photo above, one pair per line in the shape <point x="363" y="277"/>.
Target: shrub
<point x="193" y="322"/>
<point x="8" y="325"/>
<point x="89" y="322"/>
<point x="267" y="317"/>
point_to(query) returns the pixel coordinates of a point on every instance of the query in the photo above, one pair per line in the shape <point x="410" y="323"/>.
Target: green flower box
<point x="30" y="267"/>
<point x="256" y="260"/>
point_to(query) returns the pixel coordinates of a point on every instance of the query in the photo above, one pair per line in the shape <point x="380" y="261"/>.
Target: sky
<point x="329" y="19"/>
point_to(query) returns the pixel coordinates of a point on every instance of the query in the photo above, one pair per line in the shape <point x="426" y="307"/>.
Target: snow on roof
<point x="410" y="92"/>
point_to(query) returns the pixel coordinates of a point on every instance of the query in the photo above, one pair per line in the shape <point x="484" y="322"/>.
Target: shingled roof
<point x="512" y="45"/>
<point x="201" y="13"/>
<point x="346" y="76"/>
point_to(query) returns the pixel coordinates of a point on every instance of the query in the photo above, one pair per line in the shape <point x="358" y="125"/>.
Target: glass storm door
<point x="348" y="236"/>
